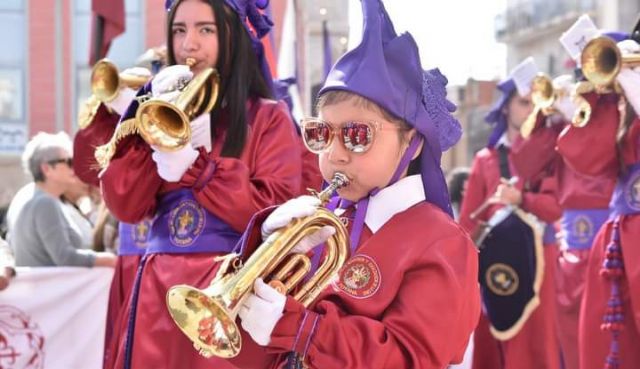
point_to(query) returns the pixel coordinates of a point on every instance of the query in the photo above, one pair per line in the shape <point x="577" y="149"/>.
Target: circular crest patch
<point x="140" y="234"/>
<point x="502" y="279"/>
<point x="583" y="228"/>
<point x="359" y="277"/>
<point x="186" y="222"/>
<point x="632" y="192"/>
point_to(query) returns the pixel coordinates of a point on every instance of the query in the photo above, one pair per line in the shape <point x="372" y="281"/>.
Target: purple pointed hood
<point x="386" y="69"/>
<point x="496" y="116"/>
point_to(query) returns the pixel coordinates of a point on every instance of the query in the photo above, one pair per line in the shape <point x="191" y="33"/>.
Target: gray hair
<point x="42" y="148"/>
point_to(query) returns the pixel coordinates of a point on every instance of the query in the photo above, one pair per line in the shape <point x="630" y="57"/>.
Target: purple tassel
<point x="613" y="271"/>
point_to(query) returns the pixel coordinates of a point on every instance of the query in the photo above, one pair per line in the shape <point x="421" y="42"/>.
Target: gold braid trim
<point x="104" y="153"/>
<point x="88" y="112"/>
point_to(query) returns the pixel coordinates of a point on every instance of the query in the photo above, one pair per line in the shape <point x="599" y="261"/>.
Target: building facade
<point x="532" y="27"/>
<point x="45" y="72"/>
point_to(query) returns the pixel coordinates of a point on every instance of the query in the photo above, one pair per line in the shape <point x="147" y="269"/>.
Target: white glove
<point x="122" y="100"/>
<point x="628" y="47"/>
<point x="629" y="78"/>
<point x="173" y="165"/>
<point x="317" y="238"/>
<point x="564" y="103"/>
<point x="201" y="132"/>
<point x="299" y="207"/>
<point x="171" y="78"/>
<point x="137" y="72"/>
<point x="126" y="94"/>
<point x="261" y="311"/>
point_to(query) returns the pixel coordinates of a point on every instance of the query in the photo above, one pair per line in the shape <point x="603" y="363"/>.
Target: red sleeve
<point x="130" y="182"/>
<point x="591" y="150"/>
<point x="543" y="203"/>
<point x="415" y="331"/>
<point x="86" y="140"/>
<point x="533" y="155"/>
<point x="311" y="176"/>
<point x="268" y="173"/>
<point x="475" y="193"/>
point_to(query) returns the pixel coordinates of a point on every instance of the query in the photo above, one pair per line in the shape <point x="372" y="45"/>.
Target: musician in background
<point x="584" y="200"/>
<point x="457" y="183"/>
<point x="609" y="146"/>
<point x="242" y="157"/>
<point x="530" y="340"/>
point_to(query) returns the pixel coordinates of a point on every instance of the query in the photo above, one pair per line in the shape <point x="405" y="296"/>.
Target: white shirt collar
<point x="392" y="200"/>
<point x="503" y="141"/>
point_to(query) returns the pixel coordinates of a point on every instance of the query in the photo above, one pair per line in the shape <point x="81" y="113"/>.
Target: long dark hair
<point x="240" y="74"/>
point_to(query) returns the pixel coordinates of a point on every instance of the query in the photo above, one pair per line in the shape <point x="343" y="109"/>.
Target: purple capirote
<point x="386" y="69"/>
<point x="496" y="115"/>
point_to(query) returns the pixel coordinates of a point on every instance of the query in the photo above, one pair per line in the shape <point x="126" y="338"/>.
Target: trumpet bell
<point x="105" y="81"/>
<point x="167" y="125"/>
<point x="205" y="320"/>
<point x="162" y="125"/>
<point x="601" y="61"/>
<point x="542" y="92"/>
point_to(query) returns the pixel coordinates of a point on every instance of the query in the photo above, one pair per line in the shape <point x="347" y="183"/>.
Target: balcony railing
<point x="537" y="13"/>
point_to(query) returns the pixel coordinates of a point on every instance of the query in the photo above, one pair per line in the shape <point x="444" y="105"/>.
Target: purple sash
<point x="133" y="237"/>
<point x="580" y="226"/>
<point x="183" y="226"/>
<point x="626" y="196"/>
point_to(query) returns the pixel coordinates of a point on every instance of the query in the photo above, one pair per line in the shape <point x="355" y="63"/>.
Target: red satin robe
<point x="591" y="150"/>
<point x="536" y="345"/>
<point x="267" y="173"/>
<point x="415" y="308"/>
<point x="86" y="168"/>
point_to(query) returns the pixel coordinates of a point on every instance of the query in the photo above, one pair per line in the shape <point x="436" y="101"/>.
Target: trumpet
<point x="601" y="61"/>
<point x="543" y="95"/>
<point x="106" y="82"/>
<point x="166" y="125"/>
<point x="208" y="316"/>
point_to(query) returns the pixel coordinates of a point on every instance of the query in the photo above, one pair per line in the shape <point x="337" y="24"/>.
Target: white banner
<point x="54" y="318"/>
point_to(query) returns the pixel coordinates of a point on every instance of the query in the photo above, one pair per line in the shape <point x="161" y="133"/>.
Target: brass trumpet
<point x="601" y="61"/>
<point x="208" y="316"/>
<point x="543" y="95"/>
<point x="106" y="82"/>
<point x="166" y="125"/>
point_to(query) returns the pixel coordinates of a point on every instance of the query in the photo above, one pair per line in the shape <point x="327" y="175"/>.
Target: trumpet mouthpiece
<point x="340" y="180"/>
<point x="191" y="62"/>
